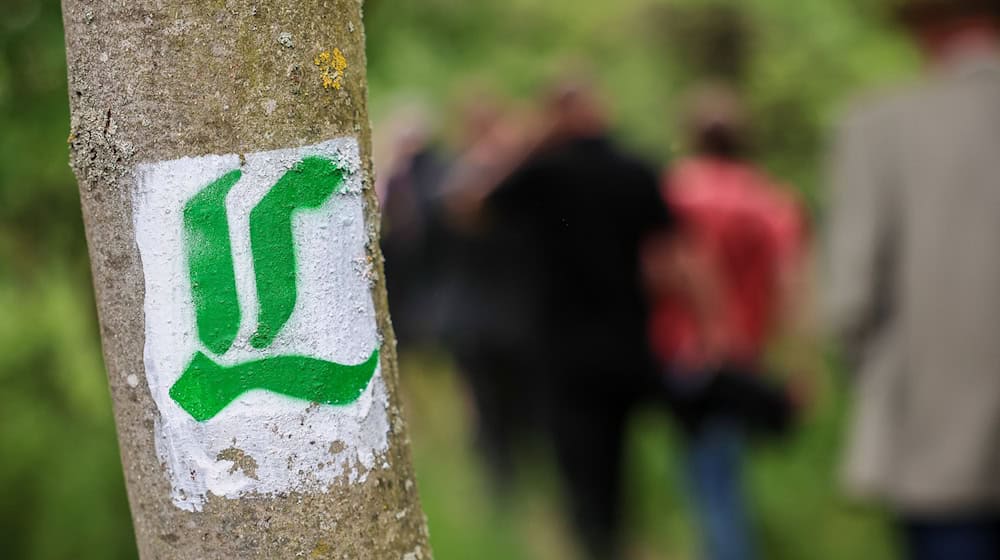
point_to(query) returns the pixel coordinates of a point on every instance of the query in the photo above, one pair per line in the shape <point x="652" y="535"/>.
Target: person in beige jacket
<point x="914" y="293"/>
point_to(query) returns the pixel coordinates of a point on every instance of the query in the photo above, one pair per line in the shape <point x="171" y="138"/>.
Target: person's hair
<point x="716" y="122"/>
<point x="920" y="12"/>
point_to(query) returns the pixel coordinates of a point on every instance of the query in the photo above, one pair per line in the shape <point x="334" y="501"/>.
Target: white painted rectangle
<point x="262" y="443"/>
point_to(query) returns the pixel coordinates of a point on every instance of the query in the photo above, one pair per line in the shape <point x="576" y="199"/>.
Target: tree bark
<point x="160" y="80"/>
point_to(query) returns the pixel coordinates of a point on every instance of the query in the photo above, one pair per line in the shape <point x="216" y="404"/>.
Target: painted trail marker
<point x="262" y="350"/>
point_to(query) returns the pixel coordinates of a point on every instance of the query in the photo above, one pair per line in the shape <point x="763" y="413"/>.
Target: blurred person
<point x="495" y="138"/>
<point x="721" y="287"/>
<point x="914" y="278"/>
<point x="411" y="224"/>
<point x="585" y="206"/>
<point x="491" y="283"/>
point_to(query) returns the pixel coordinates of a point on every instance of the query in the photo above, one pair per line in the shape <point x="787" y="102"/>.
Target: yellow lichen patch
<point x="321" y="550"/>
<point x="332" y="67"/>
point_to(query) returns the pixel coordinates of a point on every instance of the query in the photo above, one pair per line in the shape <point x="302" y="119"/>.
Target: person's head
<point x="942" y="26"/>
<point x="715" y="122"/>
<point x="576" y="110"/>
<point x="478" y="110"/>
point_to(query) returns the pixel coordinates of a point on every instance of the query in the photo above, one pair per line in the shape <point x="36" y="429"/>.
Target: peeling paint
<point x="241" y="461"/>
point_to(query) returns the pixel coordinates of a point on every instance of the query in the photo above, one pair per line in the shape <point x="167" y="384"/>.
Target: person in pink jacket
<point x="740" y="240"/>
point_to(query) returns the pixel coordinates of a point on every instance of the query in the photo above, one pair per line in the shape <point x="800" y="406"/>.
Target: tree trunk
<point x="222" y="150"/>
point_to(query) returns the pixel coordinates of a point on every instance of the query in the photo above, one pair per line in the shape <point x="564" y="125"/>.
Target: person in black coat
<point x="585" y="208"/>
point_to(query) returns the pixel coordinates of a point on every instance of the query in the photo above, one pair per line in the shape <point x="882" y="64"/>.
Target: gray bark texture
<point x="155" y="80"/>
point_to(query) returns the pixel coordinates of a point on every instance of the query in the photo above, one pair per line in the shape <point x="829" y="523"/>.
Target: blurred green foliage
<point x="61" y="489"/>
<point x="799" y="60"/>
<point x="62" y="493"/>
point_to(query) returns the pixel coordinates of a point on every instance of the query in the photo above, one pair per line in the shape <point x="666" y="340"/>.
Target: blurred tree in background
<point x="62" y="492"/>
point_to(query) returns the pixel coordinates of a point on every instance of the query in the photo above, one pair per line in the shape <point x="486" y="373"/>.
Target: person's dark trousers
<point x="588" y="434"/>
<point x="965" y="538"/>
<point x="505" y="412"/>
<point x="715" y="457"/>
<point x="588" y="445"/>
